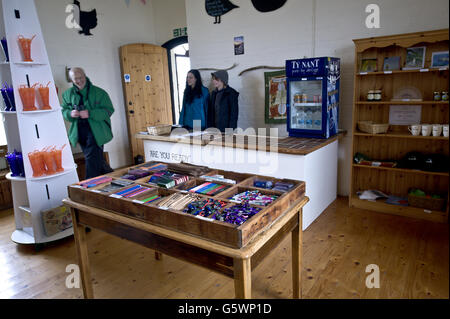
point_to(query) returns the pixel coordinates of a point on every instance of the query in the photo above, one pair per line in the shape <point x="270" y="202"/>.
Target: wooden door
<point x="146" y="84"/>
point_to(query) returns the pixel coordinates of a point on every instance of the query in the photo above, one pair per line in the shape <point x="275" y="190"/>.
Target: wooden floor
<point x="412" y="256"/>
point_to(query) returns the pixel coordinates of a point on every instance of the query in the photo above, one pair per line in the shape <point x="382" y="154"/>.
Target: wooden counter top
<point x="285" y="145"/>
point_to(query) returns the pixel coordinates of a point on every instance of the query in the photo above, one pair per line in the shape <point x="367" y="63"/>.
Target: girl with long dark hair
<point x="195" y="101"/>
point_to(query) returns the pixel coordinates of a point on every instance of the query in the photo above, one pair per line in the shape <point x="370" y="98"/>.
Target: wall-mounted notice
<point x="405" y="114"/>
<point x="238" y="45"/>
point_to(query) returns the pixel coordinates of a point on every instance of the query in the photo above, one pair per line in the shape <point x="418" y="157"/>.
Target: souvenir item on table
<point x="27" y="95"/>
<point x="44" y="94"/>
<point x="254" y="198"/>
<point x="210" y="189"/>
<point x="95" y="181"/>
<point x="139" y="173"/>
<point x="110" y="188"/>
<point x="25" y="45"/>
<point x="177" y="201"/>
<point x="5" y="48"/>
<point x="218" y="178"/>
<point x="122" y="183"/>
<point x="262" y="184"/>
<point x="151" y="199"/>
<point x="188" y="169"/>
<point x="15" y="161"/>
<point x="8" y="97"/>
<point x="153" y="167"/>
<point x="133" y="191"/>
<point x="165" y="182"/>
<point x="205" y="208"/>
<point x="129" y="176"/>
<point x="237" y="214"/>
<point x="282" y="187"/>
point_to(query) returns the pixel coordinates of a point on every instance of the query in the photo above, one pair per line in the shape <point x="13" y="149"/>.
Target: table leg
<point x="297" y="235"/>
<point x="242" y="278"/>
<point x="82" y="252"/>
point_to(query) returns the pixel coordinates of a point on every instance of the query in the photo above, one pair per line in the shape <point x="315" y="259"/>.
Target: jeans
<point x="93" y="154"/>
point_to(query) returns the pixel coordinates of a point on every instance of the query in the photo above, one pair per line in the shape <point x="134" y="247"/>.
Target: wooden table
<point x="232" y="262"/>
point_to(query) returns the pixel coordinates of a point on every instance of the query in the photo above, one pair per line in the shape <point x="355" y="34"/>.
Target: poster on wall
<point x="276" y="92"/>
<point x="239" y="45"/>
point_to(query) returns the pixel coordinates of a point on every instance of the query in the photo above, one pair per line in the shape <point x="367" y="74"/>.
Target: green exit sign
<point x="180" y="32"/>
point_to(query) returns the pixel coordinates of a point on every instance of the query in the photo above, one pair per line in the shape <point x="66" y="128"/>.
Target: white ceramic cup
<point x="415" y="129"/>
<point x="437" y="129"/>
<point x="445" y="130"/>
<point x="426" y="129"/>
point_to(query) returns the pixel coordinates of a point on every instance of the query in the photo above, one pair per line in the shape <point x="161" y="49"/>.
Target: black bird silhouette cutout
<point x="217" y="8"/>
<point x="88" y="19"/>
<point x="268" y="5"/>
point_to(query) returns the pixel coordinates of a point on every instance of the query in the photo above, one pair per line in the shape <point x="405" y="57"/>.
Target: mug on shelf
<point x="445" y="130"/>
<point x="437" y="129"/>
<point x="426" y="129"/>
<point x="415" y="129"/>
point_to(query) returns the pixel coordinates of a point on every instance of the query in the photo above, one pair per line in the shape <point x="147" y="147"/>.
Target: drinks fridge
<point x="313" y="97"/>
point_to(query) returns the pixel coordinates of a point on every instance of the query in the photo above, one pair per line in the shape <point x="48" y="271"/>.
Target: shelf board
<point x="424" y="70"/>
<point x="402" y="102"/>
<point x="8" y="112"/>
<point x="402" y="170"/>
<point x="29" y="63"/>
<point x="40" y="111"/>
<point x="13" y="178"/>
<point x="403" y="135"/>
<point x="407" y="211"/>
<point x="66" y="171"/>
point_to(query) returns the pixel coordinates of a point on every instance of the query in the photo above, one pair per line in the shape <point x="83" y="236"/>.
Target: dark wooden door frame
<point x="169" y="45"/>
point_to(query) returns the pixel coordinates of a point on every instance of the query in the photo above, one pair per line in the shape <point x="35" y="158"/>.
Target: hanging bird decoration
<point x="268" y="5"/>
<point x="217" y="8"/>
<point x="88" y="19"/>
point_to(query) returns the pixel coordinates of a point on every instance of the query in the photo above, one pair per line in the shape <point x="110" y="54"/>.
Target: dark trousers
<point x="93" y="154"/>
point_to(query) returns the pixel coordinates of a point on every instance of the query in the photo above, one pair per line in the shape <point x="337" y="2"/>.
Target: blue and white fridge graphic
<point x="313" y="97"/>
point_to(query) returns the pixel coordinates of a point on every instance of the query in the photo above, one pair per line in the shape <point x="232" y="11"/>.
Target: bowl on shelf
<point x="372" y="128"/>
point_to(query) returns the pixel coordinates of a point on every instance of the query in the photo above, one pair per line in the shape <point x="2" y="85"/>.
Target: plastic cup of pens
<point x="8" y="97"/>
<point x="15" y="161"/>
<point x="5" y="48"/>
<point x="25" y="45"/>
<point x="27" y="95"/>
<point x="44" y="94"/>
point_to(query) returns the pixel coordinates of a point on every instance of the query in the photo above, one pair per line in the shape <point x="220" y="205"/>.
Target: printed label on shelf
<point x="387" y="72"/>
<point x="115" y="196"/>
<point x="183" y="191"/>
<point x="424" y="70"/>
<point x="138" y="201"/>
<point x="95" y="191"/>
<point x="163" y="207"/>
<point x="235" y="201"/>
<point x="362" y="73"/>
<point x="204" y="218"/>
<point x="427" y="211"/>
<point x="443" y="68"/>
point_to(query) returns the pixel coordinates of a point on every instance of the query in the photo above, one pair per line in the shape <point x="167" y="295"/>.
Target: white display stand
<point x="28" y="131"/>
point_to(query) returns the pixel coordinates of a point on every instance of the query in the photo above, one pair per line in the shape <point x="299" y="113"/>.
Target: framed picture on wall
<point x="415" y="58"/>
<point x="439" y="59"/>
<point x="276" y="92"/>
<point x="391" y="63"/>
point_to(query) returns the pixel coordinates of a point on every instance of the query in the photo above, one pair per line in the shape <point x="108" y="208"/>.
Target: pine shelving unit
<point x="397" y="142"/>
<point x="28" y="131"/>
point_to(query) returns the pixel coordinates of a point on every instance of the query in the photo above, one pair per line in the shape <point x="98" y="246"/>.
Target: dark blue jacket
<point x="228" y="110"/>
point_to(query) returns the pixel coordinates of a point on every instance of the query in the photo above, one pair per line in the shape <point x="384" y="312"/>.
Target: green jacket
<point x="100" y="110"/>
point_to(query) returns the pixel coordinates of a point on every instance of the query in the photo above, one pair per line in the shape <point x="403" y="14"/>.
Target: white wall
<point x="98" y="54"/>
<point x="298" y="29"/>
<point x="168" y="15"/>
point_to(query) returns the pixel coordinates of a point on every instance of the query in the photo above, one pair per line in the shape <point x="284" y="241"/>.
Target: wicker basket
<point x="159" y="129"/>
<point x="426" y="202"/>
<point x="372" y="128"/>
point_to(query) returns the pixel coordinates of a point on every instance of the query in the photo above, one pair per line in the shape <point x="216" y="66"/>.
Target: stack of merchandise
<point x="205" y="208"/>
<point x="135" y="174"/>
<point x="167" y="179"/>
<point x="177" y="201"/>
<point x="208" y="188"/>
<point x="92" y="182"/>
<point x="282" y="187"/>
<point x="254" y="198"/>
<point x="189" y="169"/>
<point x="153" y="167"/>
<point x="218" y="178"/>
<point x="133" y="191"/>
<point x="263" y="184"/>
<point x="237" y="214"/>
<point x="115" y="185"/>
